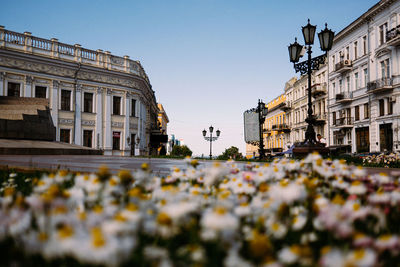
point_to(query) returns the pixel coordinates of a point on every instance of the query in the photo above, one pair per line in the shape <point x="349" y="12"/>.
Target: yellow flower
<point x="103" y="173"/>
<point x="97" y="237"/>
<point x="259" y="245"/>
<point x="164" y="219"/>
<point x="65" y="231"/>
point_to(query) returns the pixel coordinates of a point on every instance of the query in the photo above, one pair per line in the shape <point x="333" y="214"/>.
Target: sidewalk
<point x="34" y="147"/>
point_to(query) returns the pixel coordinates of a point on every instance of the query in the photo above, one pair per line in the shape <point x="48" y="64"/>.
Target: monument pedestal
<point x="303" y="149"/>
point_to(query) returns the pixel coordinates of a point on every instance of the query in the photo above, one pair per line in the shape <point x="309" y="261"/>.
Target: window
<point x="65" y="135"/>
<point x="356" y="80"/>
<point x="365" y="77"/>
<point x="355" y="50"/>
<point x="88" y="102"/>
<point x="364" y="45"/>
<point x="116" y="105"/>
<point x="116" y="140"/>
<point x="348" y="83"/>
<point x="340" y="86"/>
<point x="381" y="107"/>
<point x="382" y="33"/>
<point x="366" y="111"/>
<point x="65" y="100"/>
<point x="13" y="89"/>
<point x="356" y="113"/>
<point x="334" y="87"/>
<point x="87" y="138"/>
<point x="347" y="52"/>
<point x="133" y="108"/>
<point x="40" y="91"/>
<point x="390" y="107"/>
<point x="334" y="118"/>
<point x="385" y="68"/>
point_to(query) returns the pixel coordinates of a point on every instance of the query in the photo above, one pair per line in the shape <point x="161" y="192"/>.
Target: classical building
<point x="275" y="126"/>
<point x="96" y="99"/>
<point x="364" y="81"/>
<point x="296" y="105"/>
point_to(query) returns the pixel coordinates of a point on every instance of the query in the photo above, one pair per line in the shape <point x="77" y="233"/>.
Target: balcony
<point x="285" y="106"/>
<point x="318" y="89"/>
<point x="281" y="128"/>
<point x="380" y="86"/>
<point x="344" y="122"/>
<point x="320" y="119"/>
<point x="268" y="131"/>
<point x="343" y="66"/>
<point x="344" y="97"/>
<point x="393" y="36"/>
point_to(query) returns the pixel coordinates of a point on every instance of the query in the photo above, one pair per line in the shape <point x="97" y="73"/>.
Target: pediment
<point x="382" y="52"/>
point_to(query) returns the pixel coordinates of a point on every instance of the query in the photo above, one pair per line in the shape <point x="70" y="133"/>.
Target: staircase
<point x="26" y="118"/>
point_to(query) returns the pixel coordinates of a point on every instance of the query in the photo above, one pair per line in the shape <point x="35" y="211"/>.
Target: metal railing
<point x="344" y="96"/>
<point x="383" y="82"/>
<point x="343" y="121"/>
<point x="392" y="33"/>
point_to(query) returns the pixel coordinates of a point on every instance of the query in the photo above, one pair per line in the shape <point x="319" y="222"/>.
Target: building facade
<point x="96" y="99"/>
<point x="275" y="126"/>
<point x="364" y="81"/>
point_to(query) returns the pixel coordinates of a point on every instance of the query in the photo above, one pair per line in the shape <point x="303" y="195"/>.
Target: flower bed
<point x="309" y="212"/>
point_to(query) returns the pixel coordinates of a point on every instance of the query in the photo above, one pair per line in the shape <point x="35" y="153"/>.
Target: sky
<point x="208" y="60"/>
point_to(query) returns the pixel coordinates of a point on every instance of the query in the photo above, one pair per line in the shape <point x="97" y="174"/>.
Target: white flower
<point x="289" y="255"/>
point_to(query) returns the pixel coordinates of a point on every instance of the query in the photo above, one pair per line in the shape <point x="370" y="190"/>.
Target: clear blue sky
<point x="208" y="60"/>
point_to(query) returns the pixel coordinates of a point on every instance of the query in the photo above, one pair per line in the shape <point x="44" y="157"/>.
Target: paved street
<point x="91" y="163"/>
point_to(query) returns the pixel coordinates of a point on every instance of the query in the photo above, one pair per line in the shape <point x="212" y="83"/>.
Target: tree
<point x="181" y="151"/>
<point x="231" y="153"/>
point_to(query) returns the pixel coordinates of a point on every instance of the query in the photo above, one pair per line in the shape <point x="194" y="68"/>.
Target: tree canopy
<point x="181" y="151"/>
<point x="231" y="153"/>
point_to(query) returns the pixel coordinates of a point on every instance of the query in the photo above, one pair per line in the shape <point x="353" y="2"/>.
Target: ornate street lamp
<point x="306" y="67"/>
<point x="211" y="138"/>
<point x="262" y="113"/>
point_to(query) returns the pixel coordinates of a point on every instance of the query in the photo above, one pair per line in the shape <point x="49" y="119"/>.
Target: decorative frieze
<point x="117" y="124"/>
<point x="41" y="81"/>
<point x="14" y="77"/>
<point x="66" y="121"/>
<point x="88" y="122"/>
<point x="66" y="85"/>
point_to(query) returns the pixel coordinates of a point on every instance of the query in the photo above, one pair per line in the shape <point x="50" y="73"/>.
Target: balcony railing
<point x="343" y="66"/>
<point x="344" y="97"/>
<point x="54" y="49"/>
<point x="281" y="127"/>
<point x="318" y="89"/>
<point x="285" y="106"/>
<point x="393" y="36"/>
<point x="380" y="85"/>
<point x="321" y="118"/>
<point x="344" y="122"/>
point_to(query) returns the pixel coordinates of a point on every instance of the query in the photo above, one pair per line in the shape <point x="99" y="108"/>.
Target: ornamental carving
<point x="2" y="76"/>
<point x="133" y="125"/>
<point x="14" y="77"/>
<point x="117" y="124"/>
<point x="79" y="87"/>
<point x="66" y="121"/>
<point x="56" y="84"/>
<point x="117" y="60"/>
<point x="28" y="80"/>
<point x="109" y="91"/>
<point x="100" y="90"/>
<point x="88" y="122"/>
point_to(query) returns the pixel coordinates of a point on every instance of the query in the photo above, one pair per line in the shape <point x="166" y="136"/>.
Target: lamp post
<point x="211" y="138"/>
<point x="306" y="67"/>
<point x="262" y="112"/>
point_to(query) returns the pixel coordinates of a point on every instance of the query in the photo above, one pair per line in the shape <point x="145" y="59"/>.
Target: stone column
<point x="54" y="106"/>
<point x="77" y="52"/>
<point x="78" y="114"/>
<point x="28" y="86"/>
<point x="127" y="148"/>
<point x="108" y="133"/>
<point x="2" y="81"/>
<point x="99" y="119"/>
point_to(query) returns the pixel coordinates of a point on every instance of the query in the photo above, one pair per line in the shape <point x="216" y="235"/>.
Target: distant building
<point x="96" y="99"/>
<point x="275" y="127"/>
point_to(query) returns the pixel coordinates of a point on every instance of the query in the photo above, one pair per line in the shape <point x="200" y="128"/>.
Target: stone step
<point x="22" y="107"/>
